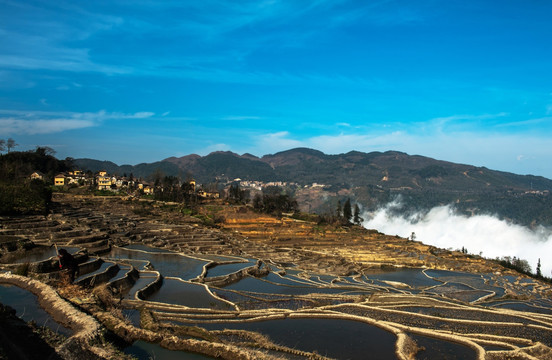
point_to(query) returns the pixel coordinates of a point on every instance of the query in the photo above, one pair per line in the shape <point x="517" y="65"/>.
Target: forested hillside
<point x="18" y="193"/>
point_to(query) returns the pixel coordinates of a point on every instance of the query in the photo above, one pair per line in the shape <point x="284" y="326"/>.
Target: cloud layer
<point x="49" y="122"/>
<point x="444" y="228"/>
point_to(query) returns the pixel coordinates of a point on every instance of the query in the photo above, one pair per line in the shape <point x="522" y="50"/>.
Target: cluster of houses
<point x="259" y="185"/>
<point x="103" y="181"/>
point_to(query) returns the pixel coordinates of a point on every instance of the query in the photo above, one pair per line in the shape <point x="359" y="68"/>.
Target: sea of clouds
<point x="480" y="234"/>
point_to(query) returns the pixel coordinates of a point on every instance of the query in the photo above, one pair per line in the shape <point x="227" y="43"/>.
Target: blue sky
<point x="140" y="81"/>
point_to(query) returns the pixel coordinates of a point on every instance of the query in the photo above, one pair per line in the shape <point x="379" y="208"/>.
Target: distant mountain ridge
<point x="370" y="178"/>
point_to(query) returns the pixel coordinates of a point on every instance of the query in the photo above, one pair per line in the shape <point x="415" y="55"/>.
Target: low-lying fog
<point x="485" y="234"/>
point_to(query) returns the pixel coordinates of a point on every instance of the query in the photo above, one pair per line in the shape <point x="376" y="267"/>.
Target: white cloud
<point x="497" y="152"/>
<point x="32" y="127"/>
<point x="46" y="122"/>
<point x="273" y="142"/>
<point x="241" y="118"/>
<point x="444" y="228"/>
<point x="469" y="117"/>
<point x="138" y="115"/>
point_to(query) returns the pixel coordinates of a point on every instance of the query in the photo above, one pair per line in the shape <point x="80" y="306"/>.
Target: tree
<point x="2" y="145"/>
<point x="11" y="144"/>
<point x="539" y="273"/>
<point x="339" y="209"/>
<point x="347" y="210"/>
<point x="413" y="236"/>
<point x="356" y="216"/>
<point x="258" y="202"/>
<point x="235" y="194"/>
<point x="45" y="150"/>
<point x="275" y="203"/>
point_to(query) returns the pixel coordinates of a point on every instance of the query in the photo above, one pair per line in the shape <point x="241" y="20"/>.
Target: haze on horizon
<point x="132" y="82"/>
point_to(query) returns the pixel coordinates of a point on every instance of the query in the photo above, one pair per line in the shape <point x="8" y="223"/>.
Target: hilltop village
<point x="102" y="181"/>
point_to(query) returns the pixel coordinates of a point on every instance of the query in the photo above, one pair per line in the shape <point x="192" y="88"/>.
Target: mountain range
<point x="371" y="179"/>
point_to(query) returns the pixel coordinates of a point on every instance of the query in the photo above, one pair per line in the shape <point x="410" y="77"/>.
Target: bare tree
<point x="2" y="145"/>
<point x="11" y="144"/>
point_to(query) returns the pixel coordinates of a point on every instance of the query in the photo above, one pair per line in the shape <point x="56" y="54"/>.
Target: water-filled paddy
<point x="179" y="292"/>
<point x="132" y="315"/>
<point x="252" y="284"/>
<point x="123" y="270"/>
<point x="219" y="258"/>
<point x="144" y="280"/>
<point x="292" y="281"/>
<point x="520" y="306"/>
<point x="439" y="349"/>
<point x="147" y="351"/>
<point x="340" y="339"/>
<point x="167" y="263"/>
<point x="26" y="306"/>
<point x="42" y="253"/>
<point x="412" y="277"/>
<point x="225" y="269"/>
<point x="105" y="265"/>
<point x="142" y="247"/>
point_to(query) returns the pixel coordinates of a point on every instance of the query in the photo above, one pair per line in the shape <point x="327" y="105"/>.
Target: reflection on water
<point x="259" y="285"/>
<point x="413" y="277"/>
<point x="42" y="253"/>
<point x="132" y="315"/>
<point x="226" y="269"/>
<point x="103" y="267"/>
<point x="178" y="292"/>
<point x="147" y="351"/>
<point x="438" y="349"/>
<point x="124" y="269"/>
<point x="167" y="263"/>
<point x="142" y="247"/>
<point x="26" y="306"/>
<point x="520" y="306"/>
<point x="340" y="339"/>
<point x="144" y="280"/>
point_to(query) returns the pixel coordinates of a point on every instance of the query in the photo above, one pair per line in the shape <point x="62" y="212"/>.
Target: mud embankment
<point x="86" y="340"/>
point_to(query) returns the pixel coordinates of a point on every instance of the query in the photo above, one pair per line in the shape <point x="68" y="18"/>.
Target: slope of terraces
<point x="205" y="288"/>
<point x="346" y="249"/>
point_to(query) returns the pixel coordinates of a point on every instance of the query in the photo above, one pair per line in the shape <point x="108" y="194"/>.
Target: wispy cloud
<point x="63" y="36"/>
<point x="52" y="38"/>
<point x="528" y="122"/>
<point x="274" y="142"/>
<point x="238" y="118"/>
<point x="441" y="123"/>
<point x="44" y="122"/>
<point x="499" y="152"/>
<point x="468" y="117"/>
